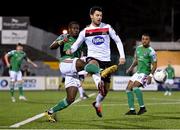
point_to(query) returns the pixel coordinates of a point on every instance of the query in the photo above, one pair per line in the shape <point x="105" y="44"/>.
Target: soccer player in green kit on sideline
<point x="16" y="58"/>
<point x="145" y="57"/>
<point x="170" y="79"/>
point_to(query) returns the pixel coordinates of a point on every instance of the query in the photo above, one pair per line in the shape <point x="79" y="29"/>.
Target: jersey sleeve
<point x="79" y="41"/>
<point x="118" y="41"/>
<point x="61" y="37"/>
<point x="25" y="56"/>
<point x="10" y="53"/>
<point x="153" y="55"/>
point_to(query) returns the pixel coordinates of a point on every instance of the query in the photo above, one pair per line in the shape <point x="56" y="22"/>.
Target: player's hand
<point x="149" y="78"/>
<point x="65" y="39"/>
<point x="68" y="52"/>
<point x="8" y="65"/>
<point x="62" y="39"/>
<point x="35" y="65"/>
<point x="59" y="42"/>
<point x="122" y="61"/>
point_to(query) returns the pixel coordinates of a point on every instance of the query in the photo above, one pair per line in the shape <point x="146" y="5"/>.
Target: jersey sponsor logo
<point x="98" y="40"/>
<point x="145" y="53"/>
<point x="98" y="31"/>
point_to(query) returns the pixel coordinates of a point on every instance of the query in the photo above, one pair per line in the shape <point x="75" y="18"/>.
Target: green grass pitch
<point x="163" y="111"/>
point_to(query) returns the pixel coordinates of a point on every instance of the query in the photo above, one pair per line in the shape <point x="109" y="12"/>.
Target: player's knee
<point x="104" y="94"/>
<point x="70" y="100"/>
<point x="11" y="84"/>
<point x="129" y="87"/>
<point x="80" y="65"/>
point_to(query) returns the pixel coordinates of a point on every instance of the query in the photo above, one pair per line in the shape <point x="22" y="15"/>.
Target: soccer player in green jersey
<point x="170" y="79"/>
<point x="145" y="57"/>
<point x="70" y="65"/>
<point x="69" y="39"/>
<point x="16" y="58"/>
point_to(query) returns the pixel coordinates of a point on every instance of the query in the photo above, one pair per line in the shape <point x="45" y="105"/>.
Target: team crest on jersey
<point x="145" y="53"/>
<point x="98" y="40"/>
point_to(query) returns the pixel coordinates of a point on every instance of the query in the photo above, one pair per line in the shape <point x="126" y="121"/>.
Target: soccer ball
<point x="160" y="76"/>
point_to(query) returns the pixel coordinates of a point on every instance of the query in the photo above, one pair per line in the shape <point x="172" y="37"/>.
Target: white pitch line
<point x="27" y="120"/>
<point x="41" y="115"/>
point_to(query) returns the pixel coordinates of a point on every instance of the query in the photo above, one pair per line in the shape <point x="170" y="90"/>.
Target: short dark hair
<point x="19" y="44"/>
<point x="95" y="8"/>
<point x="71" y="23"/>
<point x="146" y="34"/>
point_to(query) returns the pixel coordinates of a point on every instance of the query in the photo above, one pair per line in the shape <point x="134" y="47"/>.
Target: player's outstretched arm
<point x="54" y="45"/>
<point x="34" y="64"/>
<point x="149" y="78"/>
<point x="59" y="41"/>
<point x="135" y="62"/>
<point x="154" y="66"/>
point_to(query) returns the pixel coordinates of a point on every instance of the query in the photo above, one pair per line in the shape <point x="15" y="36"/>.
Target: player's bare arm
<point x="6" y="60"/>
<point x="59" y="41"/>
<point x="34" y="64"/>
<point x="54" y="45"/>
<point x="135" y="62"/>
<point x="149" y="78"/>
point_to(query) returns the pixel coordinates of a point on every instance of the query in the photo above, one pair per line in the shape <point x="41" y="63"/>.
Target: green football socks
<point x="92" y="68"/>
<point x="130" y="97"/>
<point x="19" y="85"/>
<point x="139" y="96"/>
<point x="11" y="86"/>
<point x="61" y="105"/>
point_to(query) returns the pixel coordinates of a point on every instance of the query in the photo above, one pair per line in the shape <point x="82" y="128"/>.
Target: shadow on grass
<point x="39" y="102"/>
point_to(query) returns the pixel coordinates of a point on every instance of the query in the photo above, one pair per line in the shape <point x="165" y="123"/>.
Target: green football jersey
<point x="145" y="57"/>
<point x="16" y="59"/>
<point x="170" y="72"/>
<point x="67" y="45"/>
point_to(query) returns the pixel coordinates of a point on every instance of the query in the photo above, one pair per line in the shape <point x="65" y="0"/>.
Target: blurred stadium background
<point x="129" y="18"/>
